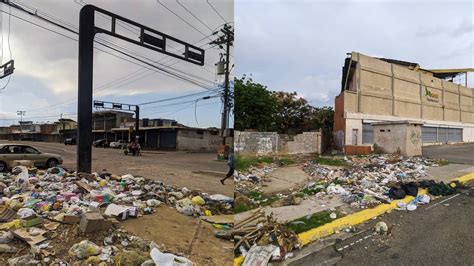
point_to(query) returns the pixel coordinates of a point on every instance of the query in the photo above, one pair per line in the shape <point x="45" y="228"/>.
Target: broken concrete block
<point x="72" y="219"/>
<point x="91" y="222"/>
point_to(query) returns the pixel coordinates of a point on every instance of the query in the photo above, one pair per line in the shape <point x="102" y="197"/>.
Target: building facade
<point x="380" y="90"/>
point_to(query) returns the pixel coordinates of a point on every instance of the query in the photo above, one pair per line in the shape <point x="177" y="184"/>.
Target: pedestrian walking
<point x="231" y="165"/>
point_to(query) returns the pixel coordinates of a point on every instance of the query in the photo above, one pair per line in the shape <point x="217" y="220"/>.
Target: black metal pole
<point x="137" y="121"/>
<point x="84" y="106"/>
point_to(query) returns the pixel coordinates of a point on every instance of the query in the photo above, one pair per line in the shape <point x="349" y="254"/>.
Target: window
<point x="200" y="132"/>
<point x="30" y="150"/>
<point x="4" y="150"/>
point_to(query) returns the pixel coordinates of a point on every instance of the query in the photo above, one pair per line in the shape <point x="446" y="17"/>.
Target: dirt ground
<point x="196" y="238"/>
<point x="200" y="171"/>
<point x="181" y="235"/>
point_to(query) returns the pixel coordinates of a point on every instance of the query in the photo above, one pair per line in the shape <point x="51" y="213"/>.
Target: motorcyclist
<point x="134" y="147"/>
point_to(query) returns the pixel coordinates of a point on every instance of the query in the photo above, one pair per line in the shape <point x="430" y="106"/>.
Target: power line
<point x="168" y="73"/>
<point x="178" y="110"/>
<point x="192" y="14"/>
<point x="179" y="103"/>
<point x="215" y="10"/>
<point x="182" y="19"/>
<point x="174" y="98"/>
<point x="57" y="24"/>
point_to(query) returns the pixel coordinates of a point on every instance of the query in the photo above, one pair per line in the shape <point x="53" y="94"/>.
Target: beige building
<point x="380" y="90"/>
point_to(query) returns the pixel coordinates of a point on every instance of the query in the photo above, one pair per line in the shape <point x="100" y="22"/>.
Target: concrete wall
<point x="267" y="143"/>
<point x="390" y="89"/>
<point x="258" y="143"/>
<point x="399" y="137"/>
<point x="193" y="140"/>
<point x="307" y="142"/>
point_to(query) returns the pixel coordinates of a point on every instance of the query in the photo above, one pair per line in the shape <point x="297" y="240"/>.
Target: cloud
<point x="47" y="63"/>
<point x="302" y="45"/>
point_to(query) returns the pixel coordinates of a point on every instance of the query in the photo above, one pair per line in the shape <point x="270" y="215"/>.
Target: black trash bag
<point x="426" y="183"/>
<point x="410" y="189"/>
<point x="441" y="189"/>
<point x="396" y="193"/>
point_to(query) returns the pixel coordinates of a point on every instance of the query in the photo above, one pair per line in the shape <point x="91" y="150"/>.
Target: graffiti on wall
<point x="415" y="137"/>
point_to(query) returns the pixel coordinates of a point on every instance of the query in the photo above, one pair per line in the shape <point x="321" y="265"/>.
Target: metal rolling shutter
<point x="429" y="134"/>
<point x="455" y="134"/>
<point x="367" y="133"/>
<point x="441" y="134"/>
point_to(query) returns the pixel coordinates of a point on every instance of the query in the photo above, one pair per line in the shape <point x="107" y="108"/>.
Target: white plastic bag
<point x="168" y="259"/>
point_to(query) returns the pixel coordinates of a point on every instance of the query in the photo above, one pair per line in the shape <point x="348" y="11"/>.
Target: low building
<point x="174" y="137"/>
<point x="380" y="90"/>
<point x="46" y="132"/>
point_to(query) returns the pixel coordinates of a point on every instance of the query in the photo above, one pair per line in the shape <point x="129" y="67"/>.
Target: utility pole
<point x="226" y="38"/>
<point x="147" y="38"/>
<point x="21" y="114"/>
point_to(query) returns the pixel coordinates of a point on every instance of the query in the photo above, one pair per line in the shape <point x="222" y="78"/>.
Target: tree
<point x="255" y="107"/>
<point x="258" y="108"/>
<point x="292" y="112"/>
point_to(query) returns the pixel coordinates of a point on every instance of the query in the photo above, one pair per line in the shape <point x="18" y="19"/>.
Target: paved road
<point x="456" y="153"/>
<point x="436" y="234"/>
<point x="175" y="168"/>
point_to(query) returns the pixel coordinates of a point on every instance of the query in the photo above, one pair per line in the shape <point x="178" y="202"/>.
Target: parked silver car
<point x="121" y="144"/>
<point x="11" y="152"/>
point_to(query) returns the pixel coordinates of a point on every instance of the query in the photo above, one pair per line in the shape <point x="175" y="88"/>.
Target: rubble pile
<point x="257" y="231"/>
<point x="54" y="209"/>
<point x="368" y="181"/>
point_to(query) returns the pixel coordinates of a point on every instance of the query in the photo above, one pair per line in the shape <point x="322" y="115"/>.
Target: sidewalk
<point x="446" y="173"/>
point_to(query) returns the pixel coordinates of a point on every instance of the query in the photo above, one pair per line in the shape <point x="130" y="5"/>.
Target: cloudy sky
<point x="301" y="45"/>
<point x="45" y="80"/>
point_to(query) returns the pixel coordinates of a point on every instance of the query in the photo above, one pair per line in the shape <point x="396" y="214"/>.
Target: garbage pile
<point x="259" y="234"/>
<point x="53" y="209"/>
<point x="369" y="181"/>
<point x="252" y="179"/>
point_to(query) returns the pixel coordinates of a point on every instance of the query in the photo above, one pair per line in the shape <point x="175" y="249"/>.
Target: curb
<point x="352" y="219"/>
<point x="357" y="218"/>
<point x="363" y="216"/>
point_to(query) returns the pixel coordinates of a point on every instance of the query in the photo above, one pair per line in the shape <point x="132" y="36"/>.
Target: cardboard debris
<point x="122" y="212"/>
<point x="26" y="235"/>
<point x="6" y="214"/>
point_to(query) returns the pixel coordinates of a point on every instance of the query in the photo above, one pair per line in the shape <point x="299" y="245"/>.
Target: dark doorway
<point x="168" y="139"/>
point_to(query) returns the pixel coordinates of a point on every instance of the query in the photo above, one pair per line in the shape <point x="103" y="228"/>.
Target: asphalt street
<point x="183" y="169"/>
<point x="454" y="153"/>
<point x="440" y="233"/>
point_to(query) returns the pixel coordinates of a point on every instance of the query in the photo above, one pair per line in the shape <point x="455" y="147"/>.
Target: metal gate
<point x="441" y="134"/>
<point x="168" y="139"/>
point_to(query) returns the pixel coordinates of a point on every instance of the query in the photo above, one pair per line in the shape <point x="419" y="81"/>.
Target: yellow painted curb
<point x="356" y="218"/>
<point x="465" y="178"/>
<point x="351" y="220"/>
